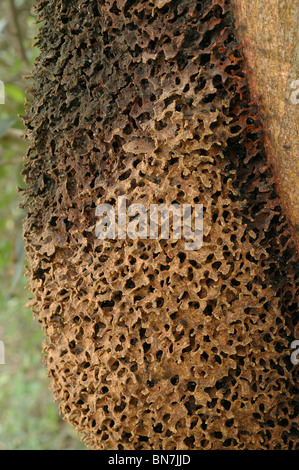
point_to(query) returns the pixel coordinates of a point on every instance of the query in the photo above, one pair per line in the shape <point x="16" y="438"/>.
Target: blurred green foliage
<point x="28" y="417"/>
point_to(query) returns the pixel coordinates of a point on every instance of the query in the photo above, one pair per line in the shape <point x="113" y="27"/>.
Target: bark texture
<point x="269" y="31"/>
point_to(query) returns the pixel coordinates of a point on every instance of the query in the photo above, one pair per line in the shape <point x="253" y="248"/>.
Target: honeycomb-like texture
<point x="150" y="346"/>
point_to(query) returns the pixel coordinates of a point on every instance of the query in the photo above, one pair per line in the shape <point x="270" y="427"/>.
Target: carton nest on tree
<point x="150" y="346"/>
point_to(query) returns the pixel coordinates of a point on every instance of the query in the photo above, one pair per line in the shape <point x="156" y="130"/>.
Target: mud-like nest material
<point x="150" y="346"/>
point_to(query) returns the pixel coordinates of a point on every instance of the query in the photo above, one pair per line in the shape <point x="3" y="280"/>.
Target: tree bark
<point x="268" y="30"/>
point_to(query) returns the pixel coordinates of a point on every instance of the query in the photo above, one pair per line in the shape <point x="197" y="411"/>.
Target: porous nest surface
<point x="148" y="345"/>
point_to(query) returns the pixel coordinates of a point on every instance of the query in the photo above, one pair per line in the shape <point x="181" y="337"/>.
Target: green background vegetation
<point x="29" y="419"/>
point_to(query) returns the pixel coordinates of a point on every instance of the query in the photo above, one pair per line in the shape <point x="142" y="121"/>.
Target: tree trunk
<point x="269" y="31"/>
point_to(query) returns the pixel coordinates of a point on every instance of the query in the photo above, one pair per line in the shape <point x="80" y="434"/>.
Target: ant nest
<point x="149" y="346"/>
